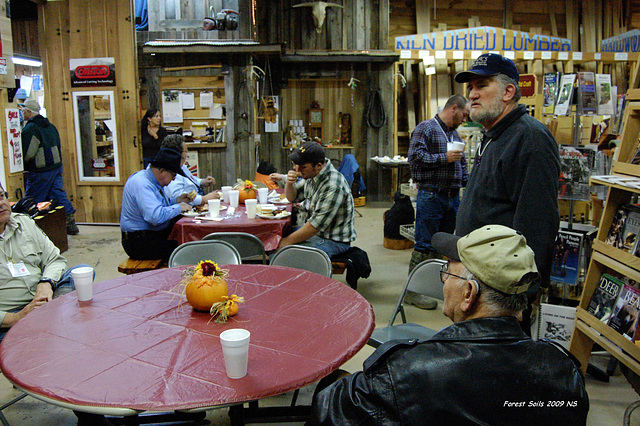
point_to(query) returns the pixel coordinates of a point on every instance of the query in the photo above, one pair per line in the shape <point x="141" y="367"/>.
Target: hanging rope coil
<point x="374" y="114"/>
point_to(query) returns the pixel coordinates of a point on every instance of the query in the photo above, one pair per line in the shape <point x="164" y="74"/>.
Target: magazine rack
<point x="589" y="329"/>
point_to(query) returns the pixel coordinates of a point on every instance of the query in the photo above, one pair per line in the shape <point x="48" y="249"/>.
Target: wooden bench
<point x="338" y="268"/>
<point x="133" y="266"/>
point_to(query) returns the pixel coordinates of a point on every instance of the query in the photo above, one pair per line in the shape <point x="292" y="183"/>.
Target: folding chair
<point x="249" y="246"/>
<point x="302" y="257"/>
<point x="193" y="252"/>
<point x="424" y="279"/>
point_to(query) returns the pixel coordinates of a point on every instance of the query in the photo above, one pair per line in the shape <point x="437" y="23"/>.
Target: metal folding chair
<point x="424" y="279"/>
<point x="249" y="246"/>
<point x="221" y="252"/>
<point x="302" y="257"/>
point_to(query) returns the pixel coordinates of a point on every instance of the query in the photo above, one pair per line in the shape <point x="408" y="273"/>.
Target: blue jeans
<point x="64" y="286"/>
<point x="434" y="213"/>
<point x="45" y="186"/>
<point x="330" y="247"/>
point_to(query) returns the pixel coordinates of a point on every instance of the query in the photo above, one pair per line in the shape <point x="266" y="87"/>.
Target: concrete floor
<point x="100" y="247"/>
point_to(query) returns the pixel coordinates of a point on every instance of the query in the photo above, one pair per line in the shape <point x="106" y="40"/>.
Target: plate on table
<point x="279" y="201"/>
<point x="191" y="213"/>
<point x="281" y="215"/>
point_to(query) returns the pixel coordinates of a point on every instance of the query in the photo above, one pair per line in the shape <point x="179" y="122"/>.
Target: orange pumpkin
<point x="246" y="195"/>
<point x="203" y="291"/>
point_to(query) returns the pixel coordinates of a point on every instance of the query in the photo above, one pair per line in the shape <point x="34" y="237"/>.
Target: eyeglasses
<point x="4" y="195"/>
<point x="444" y="273"/>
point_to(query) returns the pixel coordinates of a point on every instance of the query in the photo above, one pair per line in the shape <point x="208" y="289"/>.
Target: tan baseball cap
<point x="496" y="254"/>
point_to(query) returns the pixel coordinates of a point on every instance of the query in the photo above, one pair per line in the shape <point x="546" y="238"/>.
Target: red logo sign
<point x="92" y="71"/>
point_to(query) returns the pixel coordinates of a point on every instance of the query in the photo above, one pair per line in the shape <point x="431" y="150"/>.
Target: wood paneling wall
<point x="87" y="29"/>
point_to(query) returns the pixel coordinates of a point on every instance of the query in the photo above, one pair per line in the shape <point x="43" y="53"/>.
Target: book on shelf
<point x="575" y="170"/>
<point x="555" y="322"/>
<point x="605" y="297"/>
<point x="587" y="87"/>
<point x="565" y="95"/>
<point x="566" y="258"/>
<point x="604" y="95"/>
<point x="616" y="230"/>
<point x="550" y="91"/>
<point x="619" y="116"/>
<point x="631" y="231"/>
<point x="624" y="319"/>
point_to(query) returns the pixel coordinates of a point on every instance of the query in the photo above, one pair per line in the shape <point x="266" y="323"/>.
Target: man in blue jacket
<point x="43" y="161"/>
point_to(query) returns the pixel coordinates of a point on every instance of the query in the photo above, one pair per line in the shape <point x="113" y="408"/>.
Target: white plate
<point x="196" y="214"/>
<point x="192" y="214"/>
<point x="279" y="201"/>
<point x="270" y="217"/>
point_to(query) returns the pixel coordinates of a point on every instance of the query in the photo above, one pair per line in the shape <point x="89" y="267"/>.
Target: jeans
<point x="330" y="247"/>
<point x="434" y="213"/>
<point x="64" y="286"/>
<point x="47" y="185"/>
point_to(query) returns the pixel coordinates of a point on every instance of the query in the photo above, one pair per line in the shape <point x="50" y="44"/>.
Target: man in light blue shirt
<point x="187" y="183"/>
<point x="146" y="216"/>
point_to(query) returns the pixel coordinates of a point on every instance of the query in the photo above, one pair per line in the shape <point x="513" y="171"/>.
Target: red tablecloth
<point x="138" y="345"/>
<point x="270" y="231"/>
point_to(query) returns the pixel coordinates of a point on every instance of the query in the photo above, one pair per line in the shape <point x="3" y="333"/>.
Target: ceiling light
<point x="27" y="62"/>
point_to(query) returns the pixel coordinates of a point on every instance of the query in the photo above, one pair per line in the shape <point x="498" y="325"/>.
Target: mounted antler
<point x="319" y="10"/>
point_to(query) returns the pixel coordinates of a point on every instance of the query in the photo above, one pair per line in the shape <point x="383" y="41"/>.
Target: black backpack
<point x="401" y="213"/>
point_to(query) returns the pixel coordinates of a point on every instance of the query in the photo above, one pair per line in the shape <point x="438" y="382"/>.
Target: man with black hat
<point x="146" y="216"/>
<point x="482" y="369"/>
<point x="327" y="201"/>
<point x="43" y="161"/>
<point x="514" y="180"/>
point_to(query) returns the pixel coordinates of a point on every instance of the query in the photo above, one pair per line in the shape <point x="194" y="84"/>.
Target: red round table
<point x="269" y="231"/>
<point x="138" y="346"/>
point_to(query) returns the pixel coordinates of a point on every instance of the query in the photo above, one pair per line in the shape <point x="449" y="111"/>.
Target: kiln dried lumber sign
<point x="483" y="38"/>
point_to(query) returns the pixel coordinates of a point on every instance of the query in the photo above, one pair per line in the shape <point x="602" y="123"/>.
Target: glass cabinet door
<point x="96" y="136"/>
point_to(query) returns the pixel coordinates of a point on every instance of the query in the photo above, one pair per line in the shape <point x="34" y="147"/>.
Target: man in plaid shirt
<point x="329" y="226"/>
<point x="440" y="171"/>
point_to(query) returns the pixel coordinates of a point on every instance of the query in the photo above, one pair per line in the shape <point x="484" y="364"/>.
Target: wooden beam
<point x="423" y="16"/>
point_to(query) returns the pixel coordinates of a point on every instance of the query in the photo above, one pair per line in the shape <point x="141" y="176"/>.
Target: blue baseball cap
<point x="488" y="65"/>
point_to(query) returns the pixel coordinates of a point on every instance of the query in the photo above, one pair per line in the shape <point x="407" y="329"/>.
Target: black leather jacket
<point x="482" y="371"/>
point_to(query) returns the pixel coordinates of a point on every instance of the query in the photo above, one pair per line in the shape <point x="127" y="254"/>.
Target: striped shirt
<point x="428" y="156"/>
<point x="329" y="204"/>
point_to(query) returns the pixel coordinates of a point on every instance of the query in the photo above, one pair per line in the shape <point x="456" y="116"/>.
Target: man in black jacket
<point x="515" y="175"/>
<point x="482" y="369"/>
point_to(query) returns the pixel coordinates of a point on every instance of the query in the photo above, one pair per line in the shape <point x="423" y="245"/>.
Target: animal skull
<point x="319" y="10"/>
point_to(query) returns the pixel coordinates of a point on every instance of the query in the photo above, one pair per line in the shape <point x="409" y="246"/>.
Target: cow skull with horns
<point x="319" y="10"/>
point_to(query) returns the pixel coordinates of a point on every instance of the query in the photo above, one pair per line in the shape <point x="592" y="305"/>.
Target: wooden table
<point x="137" y="346"/>
<point x="269" y="231"/>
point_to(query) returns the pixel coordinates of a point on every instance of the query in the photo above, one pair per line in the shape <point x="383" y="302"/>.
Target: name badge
<point x="18" y="269"/>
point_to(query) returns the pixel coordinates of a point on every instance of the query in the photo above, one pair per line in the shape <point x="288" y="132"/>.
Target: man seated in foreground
<point x="328" y="202"/>
<point x="187" y="184"/>
<point x="33" y="272"/>
<point x="482" y="369"/>
<point x="146" y="216"/>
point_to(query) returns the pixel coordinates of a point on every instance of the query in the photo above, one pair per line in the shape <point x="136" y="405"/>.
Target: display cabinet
<point x="607" y="258"/>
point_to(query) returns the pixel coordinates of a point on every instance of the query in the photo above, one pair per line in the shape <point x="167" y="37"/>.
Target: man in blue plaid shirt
<point x="440" y="171"/>
<point x="329" y="226"/>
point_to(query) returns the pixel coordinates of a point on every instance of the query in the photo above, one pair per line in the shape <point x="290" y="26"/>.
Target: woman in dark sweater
<point x="152" y="135"/>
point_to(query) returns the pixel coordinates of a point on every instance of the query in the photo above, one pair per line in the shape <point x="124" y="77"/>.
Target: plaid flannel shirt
<point x="428" y="156"/>
<point x="329" y="204"/>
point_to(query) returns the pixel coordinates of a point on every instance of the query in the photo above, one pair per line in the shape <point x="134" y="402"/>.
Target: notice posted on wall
<point x="14" y="140"/>
<point x="172" y="106"/>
